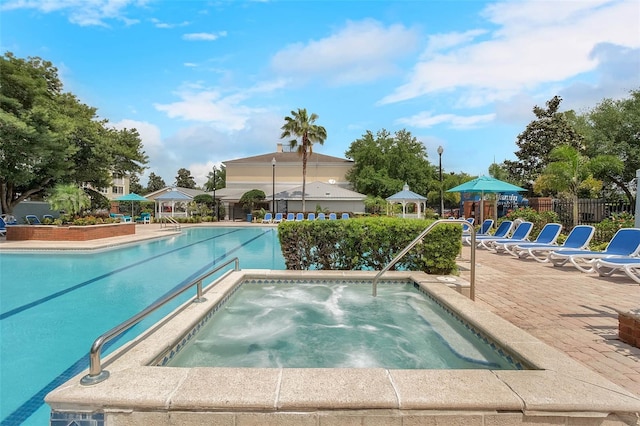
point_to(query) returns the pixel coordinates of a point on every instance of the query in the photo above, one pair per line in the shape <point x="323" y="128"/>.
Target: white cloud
<point x="220" y="110"/>
<point x="360" y="52"/>
<point x="81" y="12"/>
<point x="530" y="47"/>
<point x="204" y="36"/>
<point x="425" y="119"/>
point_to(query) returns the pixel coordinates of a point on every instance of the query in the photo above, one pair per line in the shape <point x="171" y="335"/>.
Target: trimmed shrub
<point x="369" y="244"/>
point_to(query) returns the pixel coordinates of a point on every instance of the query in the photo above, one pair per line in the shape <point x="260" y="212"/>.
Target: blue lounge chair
<point x="291" y="216"/>
<point x="578" y="239"/>
<point x="321" y="216"/>
<point x="520" y="234"/>
<point x="47" y="216"/>
<point x="299" y="217"/>
<point x="610" y="265"/>
<point x="547" y="236"/>
<point x="277" y="218"/>
<point x="144" y="218"/>
<point x="311" y="216"/>
<point x="502" y="232"/>
<point x="268" y="217"/>
<point x="344" y="216"/>
<point x="484" y="230"/>
<point x="3" y="228"/>
<point x="332" y="216"/>
<point x="32" y="219"/>
<point x="625" y="243"/>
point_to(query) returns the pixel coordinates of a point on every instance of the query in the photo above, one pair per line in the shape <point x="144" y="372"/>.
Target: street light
<point x="214" y="193"/>
<point x="273" y="185"/>
<point x="440" y="151"/>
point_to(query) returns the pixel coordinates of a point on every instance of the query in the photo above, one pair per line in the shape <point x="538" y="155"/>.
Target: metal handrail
<point x="472" y="293"/>
<point x="96" y="373"/>
<point x="175" y="223"/>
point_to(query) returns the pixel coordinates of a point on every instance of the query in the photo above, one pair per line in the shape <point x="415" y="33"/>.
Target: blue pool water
<point x="54" y="304"/>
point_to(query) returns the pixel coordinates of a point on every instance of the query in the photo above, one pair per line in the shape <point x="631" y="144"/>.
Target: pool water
<point x="336" y="325"/>
<point x="54" y="304"/>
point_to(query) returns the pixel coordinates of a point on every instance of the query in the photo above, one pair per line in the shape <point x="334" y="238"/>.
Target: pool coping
<point x="560" y="387"/>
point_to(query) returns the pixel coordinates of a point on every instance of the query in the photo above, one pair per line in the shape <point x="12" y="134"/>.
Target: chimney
<point x="279" y="147"/>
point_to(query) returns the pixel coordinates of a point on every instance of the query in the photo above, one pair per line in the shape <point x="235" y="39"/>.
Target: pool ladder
<point x="175" y="223"/>
<point x="96" y="373"/>
<point x="412" y="244"/>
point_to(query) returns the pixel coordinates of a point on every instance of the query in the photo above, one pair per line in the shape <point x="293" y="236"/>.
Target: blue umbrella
<point x="484" y="184"/>
<point x="132" y="196"/>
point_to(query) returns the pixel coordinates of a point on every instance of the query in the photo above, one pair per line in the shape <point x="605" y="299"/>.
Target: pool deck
<point x="565" y="308"/>
<point x="568" y="310"/>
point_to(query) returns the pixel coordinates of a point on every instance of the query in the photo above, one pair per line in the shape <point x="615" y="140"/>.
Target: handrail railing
<point x="472" y="293"/>
<point x="175" y="223"/>
<point x="96" y="373"/>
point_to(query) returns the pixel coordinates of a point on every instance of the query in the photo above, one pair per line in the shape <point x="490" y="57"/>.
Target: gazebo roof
<point x="405" y="195"/>
<point x="174" y="196"/>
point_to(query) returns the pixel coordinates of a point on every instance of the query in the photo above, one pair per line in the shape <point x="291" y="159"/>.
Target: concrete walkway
<point x="565" y="308"/>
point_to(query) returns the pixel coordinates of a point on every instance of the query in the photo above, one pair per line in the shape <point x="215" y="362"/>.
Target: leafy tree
<point x="301" y="125"/>
<point x="156" y="183"/>
<point x="49" y="137"/>
<point x="98" y="201"/>
<point x="134" y="184"/>
<point x="184" y="179"/>
<point x="70" y="198"/>
<point x="385" y="162"/>
<point x="216" y="180"/>
<point x="541" y="136"/>
<point x="250" y="199"/>
<point x="613" y="128"/>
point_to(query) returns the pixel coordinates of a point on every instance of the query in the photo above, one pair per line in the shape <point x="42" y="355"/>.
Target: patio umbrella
<point x="132" y="196"/>
<point x="484" y="184"/>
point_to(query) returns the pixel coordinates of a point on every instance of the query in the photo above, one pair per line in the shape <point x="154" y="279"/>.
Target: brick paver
<point x="567" y="309"/>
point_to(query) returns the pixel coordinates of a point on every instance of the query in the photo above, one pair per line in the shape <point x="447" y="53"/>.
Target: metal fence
<point x="590" y="211"/>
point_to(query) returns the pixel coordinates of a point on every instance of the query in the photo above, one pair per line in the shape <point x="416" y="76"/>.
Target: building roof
<point x="288" y="157"/>
<point x="319" y="191"/>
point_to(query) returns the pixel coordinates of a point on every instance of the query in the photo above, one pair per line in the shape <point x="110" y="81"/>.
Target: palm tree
<point x="301" y="125"/>
<point x="571" y="172"/>
<point x="70" y="198"/>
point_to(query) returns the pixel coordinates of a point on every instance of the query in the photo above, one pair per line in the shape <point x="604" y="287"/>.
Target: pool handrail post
<point x="472" y="292"/>
<point x="96" y="373"/>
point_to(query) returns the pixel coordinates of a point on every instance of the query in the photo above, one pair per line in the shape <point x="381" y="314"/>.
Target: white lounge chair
<point x="627" y="265"/>
<point x="268" y="218"/>
<point x="520" y="234"/>
<point x="578" y="239"/>
<point x="548" y="235"/>
<point x="503" y="231"/>
<point x="625" y="243"/>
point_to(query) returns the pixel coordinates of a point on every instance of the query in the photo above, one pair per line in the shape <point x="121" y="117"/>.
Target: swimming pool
<point x="319" y="324"/>
<point x="54" y="304"/>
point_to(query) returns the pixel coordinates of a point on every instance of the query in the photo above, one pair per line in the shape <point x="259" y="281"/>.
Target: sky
<point x="209" y="81"/>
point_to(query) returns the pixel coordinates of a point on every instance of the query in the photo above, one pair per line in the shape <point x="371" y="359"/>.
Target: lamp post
<point x="273" y="185"/>
<point x="214" y="192"/>
<point x="440" y="151"/>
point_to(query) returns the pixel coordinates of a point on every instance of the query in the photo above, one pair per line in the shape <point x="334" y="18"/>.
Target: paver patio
<point x="565" y="308"/>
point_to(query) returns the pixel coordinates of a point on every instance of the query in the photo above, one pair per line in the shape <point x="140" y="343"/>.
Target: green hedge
<point x="369" y="244"/>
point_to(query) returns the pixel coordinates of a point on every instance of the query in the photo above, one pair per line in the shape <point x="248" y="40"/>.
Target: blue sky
<point x="209" y="81"/>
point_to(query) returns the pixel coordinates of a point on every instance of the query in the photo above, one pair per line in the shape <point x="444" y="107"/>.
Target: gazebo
<point x="406" y="197"/>
<point x="172" y="203"/>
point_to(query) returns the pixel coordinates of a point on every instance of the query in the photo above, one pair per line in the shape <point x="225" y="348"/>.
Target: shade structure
<point x="484" y="184"/>
<point x="132" y="196"/>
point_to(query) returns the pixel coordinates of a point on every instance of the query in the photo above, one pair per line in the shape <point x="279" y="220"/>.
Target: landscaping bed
<point x="69" y="233"/>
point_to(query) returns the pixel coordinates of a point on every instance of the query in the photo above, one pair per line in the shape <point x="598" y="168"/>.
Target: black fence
<point x="590" y="211"/>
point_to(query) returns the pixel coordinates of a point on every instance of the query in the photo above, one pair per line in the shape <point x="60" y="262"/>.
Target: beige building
<point x="279" y="176"/>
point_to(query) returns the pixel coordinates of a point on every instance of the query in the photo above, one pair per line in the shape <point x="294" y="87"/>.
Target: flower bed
<point x="68" y="233"/>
